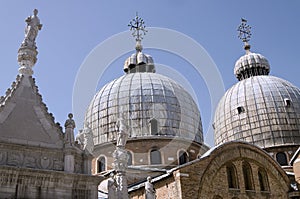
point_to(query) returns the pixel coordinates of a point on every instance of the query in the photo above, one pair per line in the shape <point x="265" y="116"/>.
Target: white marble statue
<point x="32" y="29"/>
<point x="122" y="133"/>
<point x="85" y="137"/>
<point x="149" y="189"/>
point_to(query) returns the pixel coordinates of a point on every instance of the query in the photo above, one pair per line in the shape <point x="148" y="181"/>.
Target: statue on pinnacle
<point x="31" y="30"/>
<point x="27" y="53"/>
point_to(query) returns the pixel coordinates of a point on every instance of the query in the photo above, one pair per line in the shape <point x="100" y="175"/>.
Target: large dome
<point x="152" y="105"/>
<point x="260" y="109"/>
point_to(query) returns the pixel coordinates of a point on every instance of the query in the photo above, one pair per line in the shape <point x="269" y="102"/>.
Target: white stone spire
<point x="27" y="53"/>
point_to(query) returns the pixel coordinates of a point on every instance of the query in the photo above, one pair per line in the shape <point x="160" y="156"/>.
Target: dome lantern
<point x="251" y="64"/>
<point x="138" y="62"/>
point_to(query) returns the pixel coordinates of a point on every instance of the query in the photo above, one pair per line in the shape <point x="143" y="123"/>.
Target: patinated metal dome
<point x="152" y="105"/>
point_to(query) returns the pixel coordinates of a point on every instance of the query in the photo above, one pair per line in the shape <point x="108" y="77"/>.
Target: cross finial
<point x="137" y="27"/>
<point x="244" y="33"/>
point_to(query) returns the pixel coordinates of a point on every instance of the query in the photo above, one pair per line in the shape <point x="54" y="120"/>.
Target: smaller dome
<point x="251" y="64"/>
<point x="139" y="62"/>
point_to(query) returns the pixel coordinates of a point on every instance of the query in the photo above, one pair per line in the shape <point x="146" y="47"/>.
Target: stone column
<point x="69" y="160"/>
<point x="120" y="165"/>
<point x="87" y="164"/>
<point x="120" y="160"/>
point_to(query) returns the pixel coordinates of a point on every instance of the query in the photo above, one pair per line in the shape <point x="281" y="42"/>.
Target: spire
<point x="138" y="62"/>
<point x="245" y="34"/>
<point x="138" y="28"/>
<point x="27" y="53"/>
<point x="251" y="64"/>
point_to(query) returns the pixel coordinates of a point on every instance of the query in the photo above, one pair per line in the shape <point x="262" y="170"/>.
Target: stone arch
<point x="155" y="156"/>
<point x="232" y="177"/>
<point x="101" y="164"/>
<point x="130" y="158"/>
<point x="248" y="176"/>
<point x="263" y="179"/>
<point x="232" y="151"/>
<point x="182" y="156"/>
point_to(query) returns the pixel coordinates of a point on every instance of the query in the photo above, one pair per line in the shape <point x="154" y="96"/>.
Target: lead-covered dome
<point x="251" y="64"/>
<point x="153" y="105"/>
<point x="263" y="110"/>
<point x="260" y="109"/>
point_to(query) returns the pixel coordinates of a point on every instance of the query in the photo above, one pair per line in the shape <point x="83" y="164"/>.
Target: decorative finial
<point x="138" y="30"/>
<point x="27" y="52"/>
<point x="244" y="33"/>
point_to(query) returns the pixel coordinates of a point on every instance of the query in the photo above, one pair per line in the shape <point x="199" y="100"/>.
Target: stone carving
<point x="57" y="165"/>
<point x="27" y="54"/>
<point x="120" y="159"/>
<point x="78" y="167"/>
<point x="85" y="137"/>
<point x="112" y="186"/>
<point x="69" y="132"/>
<point x="15" y="159"/>
<point x="29" y="161"/>
<point x="31" y="30"/>
<point x="149" y="189"/>
<point x="122" y="133"/>
<point x="70" y="123"/>
<point x="3" y="157"/>
<point x="45" y="163"/>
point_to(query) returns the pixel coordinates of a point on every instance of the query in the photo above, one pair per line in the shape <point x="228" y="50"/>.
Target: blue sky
<point x="72" y="29"/>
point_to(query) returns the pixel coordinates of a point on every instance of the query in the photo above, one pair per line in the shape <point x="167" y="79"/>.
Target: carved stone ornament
<point x="120" y="159"/>
<point x="45" y="163"/>
<point x="27" y="57"/>
<point x="3" y="157"/>
<point x="15" y="159"/>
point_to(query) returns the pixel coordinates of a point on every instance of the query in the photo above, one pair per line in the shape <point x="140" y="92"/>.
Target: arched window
<point x="281" y="159"/>
<point x="217" y="197"/>
<point x="101" y="164"/>
<point x="129" y="158"/>
<point x="248" y="180"/>
<point x="153" y="126"/>
<point x="155" y="157"/>
<point x="232" y="177"/>
<point x="183" y="157"/>
<point x="263" y="180"/>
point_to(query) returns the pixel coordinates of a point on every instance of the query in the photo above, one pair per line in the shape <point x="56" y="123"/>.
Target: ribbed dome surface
<point x="251" y="64"/>
<point x="139" y="98"/>
<point x="263" y="110"/>
<point x="138" y="61"/>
